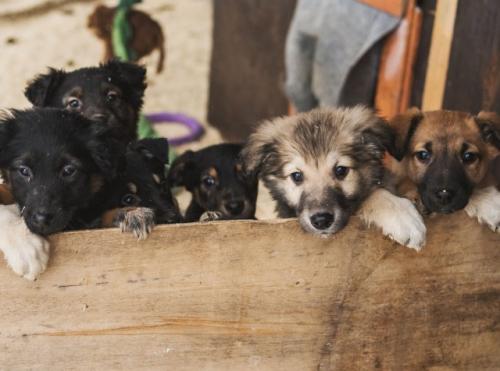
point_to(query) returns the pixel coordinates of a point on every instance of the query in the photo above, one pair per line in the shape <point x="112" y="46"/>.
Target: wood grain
<point x="258" y="296"/>
<point x="439" y="55"/>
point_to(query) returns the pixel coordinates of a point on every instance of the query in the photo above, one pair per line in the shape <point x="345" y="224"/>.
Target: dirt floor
<point x="36" y="34"/>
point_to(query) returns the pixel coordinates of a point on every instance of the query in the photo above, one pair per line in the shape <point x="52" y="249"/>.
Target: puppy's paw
<point x="25" y="252"/>
<point x="139" y="221"/>
<point x="397" y="217"/>
<point x="484" y="205"/>
<point x="210" y="216"/>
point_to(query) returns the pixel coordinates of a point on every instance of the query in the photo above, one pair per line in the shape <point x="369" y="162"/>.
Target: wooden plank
<point x="442" y="36"/>
<point x="395" y="8"/>
<point x="258" y="295"/>
<point x="473" y="81"/>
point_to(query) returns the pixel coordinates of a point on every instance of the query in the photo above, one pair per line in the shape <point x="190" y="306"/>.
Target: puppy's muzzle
<point x="322" y="220"/>
<point x="41" y="218"/>
<point x="235" y="207"/>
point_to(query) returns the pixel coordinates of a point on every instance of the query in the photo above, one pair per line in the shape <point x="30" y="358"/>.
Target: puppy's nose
<point x="445" y="195"/>
<point x="235" y="207"/>
<point x="322" y="220"/>
<point x="42" y="218"/>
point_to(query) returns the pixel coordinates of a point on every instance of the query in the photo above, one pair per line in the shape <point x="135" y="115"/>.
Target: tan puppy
<point x="326" y="165"/>
<point x="446" y="159"/>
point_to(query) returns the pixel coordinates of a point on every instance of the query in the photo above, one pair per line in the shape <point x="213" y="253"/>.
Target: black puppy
<point x="55" y="163"/>
<point x="111" y="93"/>
<point x="217" y="183"/>
<point x="143" y="184"/>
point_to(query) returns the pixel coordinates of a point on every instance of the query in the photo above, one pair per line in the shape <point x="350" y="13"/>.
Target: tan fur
<point x="6" y="197"/>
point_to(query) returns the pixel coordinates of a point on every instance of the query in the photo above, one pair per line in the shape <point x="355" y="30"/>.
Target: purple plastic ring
<point x="195" y="128"/>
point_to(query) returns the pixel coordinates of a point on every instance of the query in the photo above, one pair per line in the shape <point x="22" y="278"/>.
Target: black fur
<point x="55" y="162"/>
<point x="145" y="174"/>
<point x="111" y="93"/>
<point x="232" y="189"/>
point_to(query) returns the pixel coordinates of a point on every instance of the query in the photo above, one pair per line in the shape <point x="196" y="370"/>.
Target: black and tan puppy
<point x="55" y="162"/>
<point x="325" y="165"/>
<point x="142" y="184"/>
<point x="111" y="93"/>
<point x="446" y="161"/>
<point x="217" y="183"/>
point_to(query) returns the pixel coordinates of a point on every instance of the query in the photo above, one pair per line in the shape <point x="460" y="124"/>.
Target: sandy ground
<point x="33" y="38"/>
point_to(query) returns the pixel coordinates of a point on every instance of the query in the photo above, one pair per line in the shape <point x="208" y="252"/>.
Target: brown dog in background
<point x="446" y="160"/>
<point x="147" y="34"/>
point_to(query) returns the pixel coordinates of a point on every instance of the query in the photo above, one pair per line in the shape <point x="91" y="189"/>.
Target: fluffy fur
<point x="111" y="94"/>
<point x="217" y="183"/>
<point x="322" y="165"/>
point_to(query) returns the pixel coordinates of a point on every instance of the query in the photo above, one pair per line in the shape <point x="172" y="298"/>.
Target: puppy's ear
<point x="43" y="86"/>
<point x="381" y="137"/>
<point x="131" y="78"/>
<point x="155" y="149"/>
<point x="404" y="126"/>
<point x="489" y="126"/>
<point x="261" y="149"/>
<point x="106" y="152"/>
<point x="180" y="173"/>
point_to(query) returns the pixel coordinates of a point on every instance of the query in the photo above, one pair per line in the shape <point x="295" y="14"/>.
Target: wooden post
<point x="442" y="37"/>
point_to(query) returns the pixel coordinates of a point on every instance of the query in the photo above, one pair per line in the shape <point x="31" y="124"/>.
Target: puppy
<point x="446" y="161"/>
<point x="325" y="165"/>
<point x="147" y="34"/>
<point x="54" y="162"/>
<point x="143" y="184"/>
<point x="111" y="93"/>
<point x="218" y="185"/>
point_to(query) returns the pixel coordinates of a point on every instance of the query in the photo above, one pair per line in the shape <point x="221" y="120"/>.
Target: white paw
<point x="209" y="216"/>
<point x="397" y="217"/>
<point x="484" y="205"/>
<point x="25" y="252"/>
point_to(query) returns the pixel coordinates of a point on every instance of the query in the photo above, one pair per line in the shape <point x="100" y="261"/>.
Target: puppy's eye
<point x="209" y="181"/>
<point x="111" y="97"/>
<point x="297" y="177"/>
<point x="25" y="172"/>
<point x="68" y="171"/>
<point x="469" y="157"/>
<point x="130" y="200"/>
<point x="423" y="156"/>
<point x="341" y="172"/>
<point x="74" y="103"/>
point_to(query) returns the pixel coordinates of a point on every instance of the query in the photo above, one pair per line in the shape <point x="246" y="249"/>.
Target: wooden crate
<point x="258" y="296"/>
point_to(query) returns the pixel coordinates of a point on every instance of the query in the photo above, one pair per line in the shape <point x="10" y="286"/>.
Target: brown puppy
<point x="147" y="34"/>
<point x="445" y="162"/>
